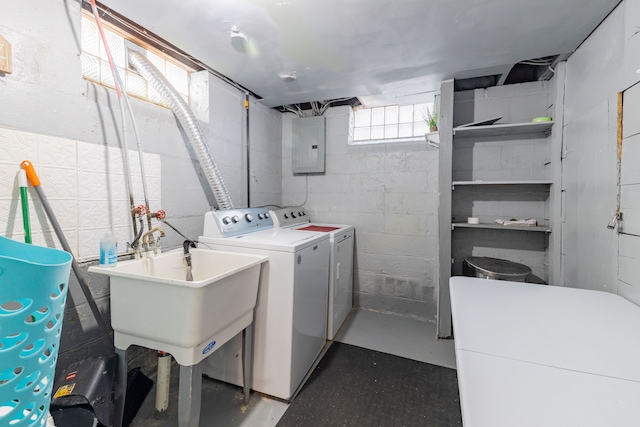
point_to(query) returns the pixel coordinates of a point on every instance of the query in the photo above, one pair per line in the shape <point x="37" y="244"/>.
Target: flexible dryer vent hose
<point x="188" y="122"/>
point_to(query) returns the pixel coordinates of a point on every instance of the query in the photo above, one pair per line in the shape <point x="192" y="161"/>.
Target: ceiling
<point x="380" y="51"/>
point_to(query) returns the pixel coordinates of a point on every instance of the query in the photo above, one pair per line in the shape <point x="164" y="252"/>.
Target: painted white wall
<point x="603" y="65"/>
<point x="389" y="193"/>
<point x="265" y="141"/>
<point x="47" y="99"/>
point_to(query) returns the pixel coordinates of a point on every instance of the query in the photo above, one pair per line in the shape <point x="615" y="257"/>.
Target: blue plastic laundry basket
<point x="33" y="292"/>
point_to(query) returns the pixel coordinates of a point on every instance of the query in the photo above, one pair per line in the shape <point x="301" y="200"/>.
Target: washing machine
<point x="290" y="322"/>
<point x="341" y="238"/>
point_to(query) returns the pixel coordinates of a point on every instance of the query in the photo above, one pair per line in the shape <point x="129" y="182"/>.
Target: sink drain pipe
<point x="162" y="385"/>
<point x="189" y="124"/>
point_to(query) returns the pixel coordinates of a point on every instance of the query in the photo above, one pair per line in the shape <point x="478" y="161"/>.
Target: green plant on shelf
<point x="430" y="116"/>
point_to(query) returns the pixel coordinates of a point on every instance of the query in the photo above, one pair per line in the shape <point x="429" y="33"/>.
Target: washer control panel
<point x="232" y="222"/>
<point x="289" y="216"/>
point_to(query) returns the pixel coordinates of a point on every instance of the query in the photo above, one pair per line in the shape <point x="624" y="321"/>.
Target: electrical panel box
<point x="308" y="145"/>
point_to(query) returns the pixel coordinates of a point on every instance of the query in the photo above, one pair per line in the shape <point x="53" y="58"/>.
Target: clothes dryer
<point x="341" y="240"/>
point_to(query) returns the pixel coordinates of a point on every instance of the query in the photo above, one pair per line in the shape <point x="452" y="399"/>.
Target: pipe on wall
<point x="189" y="123"/>
<point x="246" y="106"/>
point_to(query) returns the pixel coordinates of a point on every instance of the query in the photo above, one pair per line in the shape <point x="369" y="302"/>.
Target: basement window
<point x="95" y="64"/>
<point x="393" y="123"/>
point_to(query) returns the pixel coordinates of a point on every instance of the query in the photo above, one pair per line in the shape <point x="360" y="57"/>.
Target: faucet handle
<point x="142" y="210"/>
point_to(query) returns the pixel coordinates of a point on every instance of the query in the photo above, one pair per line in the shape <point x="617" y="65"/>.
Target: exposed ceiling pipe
<point x="189" y="123"/>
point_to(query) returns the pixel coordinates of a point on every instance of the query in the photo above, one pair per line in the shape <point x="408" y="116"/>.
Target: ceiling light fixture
<point x="238" y="40"/>
<point x="288" y="77"/>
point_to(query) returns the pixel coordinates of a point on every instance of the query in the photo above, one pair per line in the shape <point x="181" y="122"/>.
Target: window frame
<point x="386" y="124"/>
<point x="114" y="26"/>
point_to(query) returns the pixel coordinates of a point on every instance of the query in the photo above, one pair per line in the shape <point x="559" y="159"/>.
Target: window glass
<point x="390" y="123"/>
<point x="95" y="63"/>
<point x="377" y="116"/>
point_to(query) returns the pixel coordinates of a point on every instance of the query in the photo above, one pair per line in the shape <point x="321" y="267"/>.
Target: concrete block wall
<point x="47" y="97"/>
<point x="389" y="193"/>
<point x="595" y="257"/>
<point x="265" y="141"/>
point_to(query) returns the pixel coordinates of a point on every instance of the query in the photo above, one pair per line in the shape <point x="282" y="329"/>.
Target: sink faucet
<point x="187" y="257"/>
<point x="152" y="244"/>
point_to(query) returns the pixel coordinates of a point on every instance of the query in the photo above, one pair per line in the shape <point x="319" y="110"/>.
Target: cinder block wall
<point x="46" y="96"/>
<point x="595" y="257"/>
<point x="389" y="193"/>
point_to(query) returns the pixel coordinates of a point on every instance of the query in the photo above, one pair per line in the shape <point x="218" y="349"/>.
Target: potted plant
<point x="431" y="117"/>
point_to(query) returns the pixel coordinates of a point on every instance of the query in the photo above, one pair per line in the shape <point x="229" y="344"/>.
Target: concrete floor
<point x="222" y="403"/>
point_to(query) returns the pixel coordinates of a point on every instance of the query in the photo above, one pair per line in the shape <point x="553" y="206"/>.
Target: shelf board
<point x="521" y="182"/>
<point x="503" y="129"/>
<point x="433" y="139"/>
<point x="540" y="229"/>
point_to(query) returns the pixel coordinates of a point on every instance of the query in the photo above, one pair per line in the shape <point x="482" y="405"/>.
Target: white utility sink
<point x="153" y="305"/>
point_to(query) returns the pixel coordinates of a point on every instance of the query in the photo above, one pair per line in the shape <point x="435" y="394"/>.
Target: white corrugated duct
<point x="189" y="123"/>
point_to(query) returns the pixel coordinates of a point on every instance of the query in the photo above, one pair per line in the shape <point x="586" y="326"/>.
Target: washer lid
<point x="274" y="239"/>
<point x="495" y="266"/>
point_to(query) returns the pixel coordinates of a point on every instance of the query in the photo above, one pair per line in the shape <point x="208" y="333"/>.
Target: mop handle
<point x="27" y="166"/>
<point x="24" y="198"/>
<point x="35" y="181"/>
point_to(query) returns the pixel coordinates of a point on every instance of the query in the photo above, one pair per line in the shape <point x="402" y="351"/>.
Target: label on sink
<point x="209" y="347"/>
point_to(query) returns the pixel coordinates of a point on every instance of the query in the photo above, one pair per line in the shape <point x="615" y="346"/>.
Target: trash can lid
<point x="495" y="266"/>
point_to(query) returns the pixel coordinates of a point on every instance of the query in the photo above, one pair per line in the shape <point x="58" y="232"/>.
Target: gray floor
<point x="222" y="404"/>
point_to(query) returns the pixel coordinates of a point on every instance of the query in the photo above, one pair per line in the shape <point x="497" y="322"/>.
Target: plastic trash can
<point x="495" y="268"/>
<point x="33" y="293"/>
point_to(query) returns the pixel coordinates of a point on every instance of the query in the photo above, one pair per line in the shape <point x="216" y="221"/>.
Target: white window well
<point x="393" y="123"/>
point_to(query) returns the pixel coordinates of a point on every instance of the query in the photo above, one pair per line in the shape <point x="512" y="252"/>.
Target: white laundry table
<point x="532" y="355"/>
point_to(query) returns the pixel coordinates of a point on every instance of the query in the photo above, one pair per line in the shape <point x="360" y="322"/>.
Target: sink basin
<point x="154" y="306"/>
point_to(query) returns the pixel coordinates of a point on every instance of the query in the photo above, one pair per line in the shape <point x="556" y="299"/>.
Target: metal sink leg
<point x="120" y="387"/>
<point x="247" y="353"/>
<point x="190" y="395"/>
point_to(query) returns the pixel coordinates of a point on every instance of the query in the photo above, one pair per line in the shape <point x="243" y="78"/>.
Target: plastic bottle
<point x="108" y="251"/>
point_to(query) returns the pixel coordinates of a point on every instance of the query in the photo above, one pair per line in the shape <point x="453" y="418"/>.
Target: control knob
<point x="286" y="216"/>
<point x="248" y="217"/>
<point x="293" y="215"/>
<point x="235" y="219"/>
<point x="260" y="215"/>
<point x="226" y="220"/>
